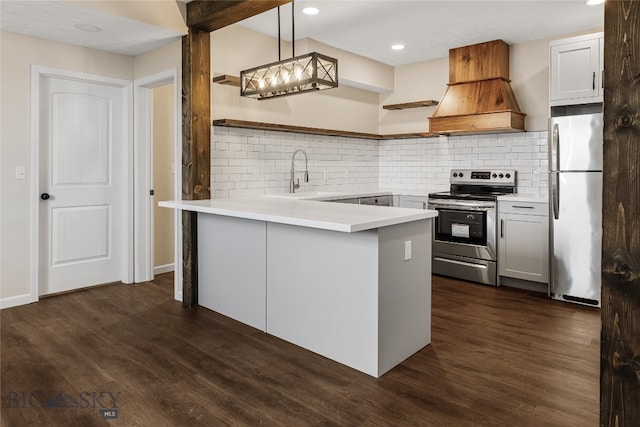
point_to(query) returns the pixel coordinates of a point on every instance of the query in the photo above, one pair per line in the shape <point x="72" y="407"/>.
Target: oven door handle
<point x="462" y="205"/>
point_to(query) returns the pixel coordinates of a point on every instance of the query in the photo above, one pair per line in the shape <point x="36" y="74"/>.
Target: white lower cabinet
<point x="414" y="202"/>
<point x="523" y="241"/>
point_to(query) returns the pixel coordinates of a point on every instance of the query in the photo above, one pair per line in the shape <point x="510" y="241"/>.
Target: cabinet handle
<point x="522" y="207"/>
<point x="593" y="83"/>
<point x="501" y="228"/>
<point x="602" y="79"/>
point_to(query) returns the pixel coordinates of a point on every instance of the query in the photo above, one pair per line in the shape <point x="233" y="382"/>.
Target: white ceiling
<point x="428" y="28"/>
<point x="56" y="20"/>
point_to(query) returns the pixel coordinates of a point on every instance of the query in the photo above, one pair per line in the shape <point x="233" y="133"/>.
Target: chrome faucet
<point x="292" y="184"/>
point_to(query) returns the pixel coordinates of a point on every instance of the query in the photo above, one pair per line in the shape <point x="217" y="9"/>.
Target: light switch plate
<point x="20" y="172"/>
<point x="407" y="250"/>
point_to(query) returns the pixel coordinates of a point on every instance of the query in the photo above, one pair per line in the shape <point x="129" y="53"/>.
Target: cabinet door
<point x="523" y="247"/>
<point x="575" y="72"/>
<point x="414" y="202"/>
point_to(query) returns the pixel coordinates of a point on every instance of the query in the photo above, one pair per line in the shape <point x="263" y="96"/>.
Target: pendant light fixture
<point x="298" y="74"/>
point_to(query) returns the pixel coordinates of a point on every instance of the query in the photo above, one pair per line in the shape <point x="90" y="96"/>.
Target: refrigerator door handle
<point x="555" y="147"/>
<point x="555" y="195"/>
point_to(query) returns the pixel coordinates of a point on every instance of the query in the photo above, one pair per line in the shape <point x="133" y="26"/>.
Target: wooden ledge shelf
<point x="226" y="79"/>
<point x="415" y="104"/>
<point x="315" y="131"/>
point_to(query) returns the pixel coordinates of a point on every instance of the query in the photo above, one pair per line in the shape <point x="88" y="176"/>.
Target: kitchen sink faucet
<point x="292" y="184"/>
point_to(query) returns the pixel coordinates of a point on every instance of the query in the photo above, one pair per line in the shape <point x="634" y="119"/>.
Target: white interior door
<point x="83" y="169"/>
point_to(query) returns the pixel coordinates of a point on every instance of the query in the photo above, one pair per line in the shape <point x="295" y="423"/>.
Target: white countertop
<point x="523" y="198"/>
<point x="292" y="210"/>
<point x="346" y="194"/>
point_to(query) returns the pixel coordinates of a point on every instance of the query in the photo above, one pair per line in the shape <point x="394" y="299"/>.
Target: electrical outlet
<point x="407" y="250"/>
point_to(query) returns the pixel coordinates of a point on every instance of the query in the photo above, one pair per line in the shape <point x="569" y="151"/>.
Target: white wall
<point x="360" y="110"/>
<point x="529" y="73"/>
<point x="248" y="162"/>
<point x="17" y="54"/>
<point x="165" y="58"/>
<point x="425" y="163"/>
<point x="163" y="132"/>
<point x="235" y="48"/>
<point x="415" y="82"/>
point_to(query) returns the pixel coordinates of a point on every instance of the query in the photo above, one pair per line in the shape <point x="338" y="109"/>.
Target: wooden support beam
<point x="620" y="342"/>
<point x="196" y="143"/>
<point x="202" y="18"/>
<point x="213" y="15"/>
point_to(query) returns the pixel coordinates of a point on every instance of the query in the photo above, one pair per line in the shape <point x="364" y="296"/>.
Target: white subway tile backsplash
<point x="248" y="162"/>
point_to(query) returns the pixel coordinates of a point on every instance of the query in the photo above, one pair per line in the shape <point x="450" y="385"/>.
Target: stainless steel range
<point x="465" y="231"/>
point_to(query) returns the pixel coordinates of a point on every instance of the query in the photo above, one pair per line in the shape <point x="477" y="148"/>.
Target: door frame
<point x="143" y="159"/>
<point x="126" y="251"/>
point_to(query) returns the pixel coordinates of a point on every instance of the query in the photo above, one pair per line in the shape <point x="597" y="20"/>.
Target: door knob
<point x="44" y="196"/>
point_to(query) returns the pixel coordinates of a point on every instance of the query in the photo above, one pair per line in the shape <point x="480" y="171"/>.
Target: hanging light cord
<point x="293" y="30"/>
<point x="279" y="56"/>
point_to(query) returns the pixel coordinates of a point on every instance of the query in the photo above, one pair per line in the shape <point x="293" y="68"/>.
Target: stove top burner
<point x="486" y="185"/>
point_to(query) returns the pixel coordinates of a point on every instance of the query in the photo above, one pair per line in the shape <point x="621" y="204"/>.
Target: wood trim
<point x="620" y="341"/>
<point x="314" y="131"/>
<point x="212" y="15"/>
<point x="415" y="104"/>
<point x="226" y="79"/>
<point x="492" y="122"/>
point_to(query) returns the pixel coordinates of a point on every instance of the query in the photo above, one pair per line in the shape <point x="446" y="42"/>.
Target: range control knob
<point x="500" y="176"/>
<point x="461" y="175"/>
<point x="455" y="175"/>
<point x="508" y="176"/>
<point x="495" y="175"/>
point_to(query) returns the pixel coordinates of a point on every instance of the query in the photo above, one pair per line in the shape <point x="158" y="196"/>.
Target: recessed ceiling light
<point x="397" y="46"/>
<point x="594" y="2"/>
<point x="310" y="10"/>
<point x="89" y="28"/>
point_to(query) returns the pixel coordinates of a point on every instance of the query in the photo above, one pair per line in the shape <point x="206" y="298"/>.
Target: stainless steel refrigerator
<point x="575" y="204"/>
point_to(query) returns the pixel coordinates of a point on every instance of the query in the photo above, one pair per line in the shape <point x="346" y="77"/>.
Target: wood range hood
<point x="479" y="97"/>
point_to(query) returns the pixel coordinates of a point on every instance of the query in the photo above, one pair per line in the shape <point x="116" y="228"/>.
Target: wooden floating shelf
<point x="415" y="104"/>
<point x="316" y="131"/>
<point x="226" y="79"/>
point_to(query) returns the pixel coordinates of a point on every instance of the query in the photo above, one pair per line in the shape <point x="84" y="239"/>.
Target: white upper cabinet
<point x="576" y="70"/>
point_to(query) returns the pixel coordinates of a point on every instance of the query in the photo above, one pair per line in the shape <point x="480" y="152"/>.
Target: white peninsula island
<point x="349" y="282"/>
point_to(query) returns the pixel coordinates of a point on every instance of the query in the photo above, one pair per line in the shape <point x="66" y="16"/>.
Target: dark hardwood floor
<point x="498" y="357"/>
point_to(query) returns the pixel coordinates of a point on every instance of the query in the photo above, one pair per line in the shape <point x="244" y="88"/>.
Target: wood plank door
<point x="82" y="183"/>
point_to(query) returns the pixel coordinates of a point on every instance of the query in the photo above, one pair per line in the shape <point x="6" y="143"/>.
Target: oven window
<point x="461" y="226"/>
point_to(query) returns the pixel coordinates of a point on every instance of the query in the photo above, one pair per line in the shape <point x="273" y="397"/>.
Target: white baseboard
<point x="163" y="269"/>
<point x="16" y="301"/>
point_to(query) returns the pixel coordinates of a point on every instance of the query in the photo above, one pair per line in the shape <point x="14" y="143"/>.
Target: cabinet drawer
<point x="524" y="208"/>
<point x="376" y="200"/>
